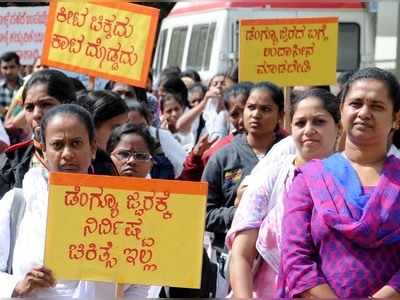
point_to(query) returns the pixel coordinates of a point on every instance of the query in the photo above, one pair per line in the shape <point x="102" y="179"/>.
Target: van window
<point x="210" y="42"/>
<point x="160" y="54"/>
<point x="349" y="47"/>
<point x="177" y="45"/>
<point x="200" y="47"/>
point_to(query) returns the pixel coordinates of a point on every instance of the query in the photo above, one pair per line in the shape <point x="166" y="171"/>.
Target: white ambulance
<point x="203" y="35"/>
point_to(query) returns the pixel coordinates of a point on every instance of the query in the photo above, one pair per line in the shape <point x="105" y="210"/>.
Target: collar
<point x="20" y="82"/>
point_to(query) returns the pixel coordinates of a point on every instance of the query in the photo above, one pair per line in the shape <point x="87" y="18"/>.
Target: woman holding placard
<point x="68" y="143"/>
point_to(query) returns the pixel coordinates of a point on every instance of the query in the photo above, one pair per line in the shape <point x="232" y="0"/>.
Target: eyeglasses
<point x="124" y="155"/>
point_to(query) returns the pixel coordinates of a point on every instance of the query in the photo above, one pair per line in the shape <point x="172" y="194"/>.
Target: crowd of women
<point x="310" y="211"/>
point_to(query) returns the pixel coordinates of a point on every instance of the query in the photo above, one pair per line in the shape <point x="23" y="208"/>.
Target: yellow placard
<point x="111" y="39"/>
<point x="289" y="52"/>
<point x="125" y="230"/>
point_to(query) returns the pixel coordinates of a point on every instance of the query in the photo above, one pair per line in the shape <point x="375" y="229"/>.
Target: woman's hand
<point x="239" y="193"/>
<point x="386" y="292"/>
<point x="322" y="291"/>
<point x="243" y="255"/>
<point x="214" y="93"/>
<point x="38" y="277"/>
<point x="163" y="122"/>
<point x="203" y="144"/>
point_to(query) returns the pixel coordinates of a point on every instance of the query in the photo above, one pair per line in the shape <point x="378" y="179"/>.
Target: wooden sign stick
<point x="119" y="291"/>
<point x="91" y="83"/>
<point x="287" y="108"/>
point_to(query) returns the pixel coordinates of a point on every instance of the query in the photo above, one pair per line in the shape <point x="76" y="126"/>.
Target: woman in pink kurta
<point x="341" y="227"/>
<point x="256" y="228"/>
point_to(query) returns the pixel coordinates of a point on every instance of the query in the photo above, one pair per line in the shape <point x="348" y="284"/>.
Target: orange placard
<point x="112" y="40"/>
<point x="289" y="52"/>
<point x="125" y="230"/>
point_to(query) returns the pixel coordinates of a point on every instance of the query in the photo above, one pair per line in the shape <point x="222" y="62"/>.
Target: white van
<point x="203" y="35"/>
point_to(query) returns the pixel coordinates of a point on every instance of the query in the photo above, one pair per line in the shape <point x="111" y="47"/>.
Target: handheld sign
<point x="125" y="230"/>
<point x="109" y="39"/>
<point x="289" y="52"/>
<point x="22" y="30"/>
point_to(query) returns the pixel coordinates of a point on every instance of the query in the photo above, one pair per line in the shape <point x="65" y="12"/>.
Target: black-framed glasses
<point x="124" y="155"/>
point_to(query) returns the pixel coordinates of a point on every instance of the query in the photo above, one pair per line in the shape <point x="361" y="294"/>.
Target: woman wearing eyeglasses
<point x="131" y="148"/>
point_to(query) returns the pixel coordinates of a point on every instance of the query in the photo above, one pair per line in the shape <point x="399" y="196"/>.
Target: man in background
<point x="9" y="68"/>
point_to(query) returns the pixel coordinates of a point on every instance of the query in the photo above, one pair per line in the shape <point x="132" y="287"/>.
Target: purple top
<point x="314" y="253"/>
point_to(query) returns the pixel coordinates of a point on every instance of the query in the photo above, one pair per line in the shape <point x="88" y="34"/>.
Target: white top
<point x="3" y="135"/>
<point x="29" y="247"/>
<point x="280" y="150"/>
<point x="261" y="207"/>
<point x="217" y="123"/>
<point x="171" y="148"/>
<point x="394" y="151"/>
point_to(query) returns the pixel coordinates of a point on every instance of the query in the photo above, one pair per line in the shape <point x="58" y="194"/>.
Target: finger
<point x="49" y="274"/>
<point x="40" y="284"/>
<point x="40" y="275"/>
<point x="45" y="270"/>
<point x="243" y="187"/>
<point x="213" y="140"/>
<point x="204" y="137"/>
<point x="34" y="282"/>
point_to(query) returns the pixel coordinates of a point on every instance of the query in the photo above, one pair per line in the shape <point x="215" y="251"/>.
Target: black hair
<point x="68" y="109"/>
<point x="78" y="85"/>
<point x="9" y="56"/>
<point x="322" y="87"/>
<point x="233" y="73"/>
<point x="59" y="85"/>
<point x="396" y="138"/>
<point x="174" y="71"/>
<point x="130" y="128"/>
<point x="142" y="110"/>
<point x="103" y="105"/>
<point x="196" y="88"/>
<point x="141" y="94"/>
<point x="191" y="74"/>
<point x="374" y="73"/>
<point x="329" y="101"/>
<point x="175" y="85"/>
<point x="171" y="96"/>
<point x="238" y="89"/>
<point x="344" y="77"/>
<point x="271" y="88"/>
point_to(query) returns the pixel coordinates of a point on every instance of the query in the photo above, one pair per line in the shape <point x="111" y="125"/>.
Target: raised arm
<point x="184" y="123"/>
